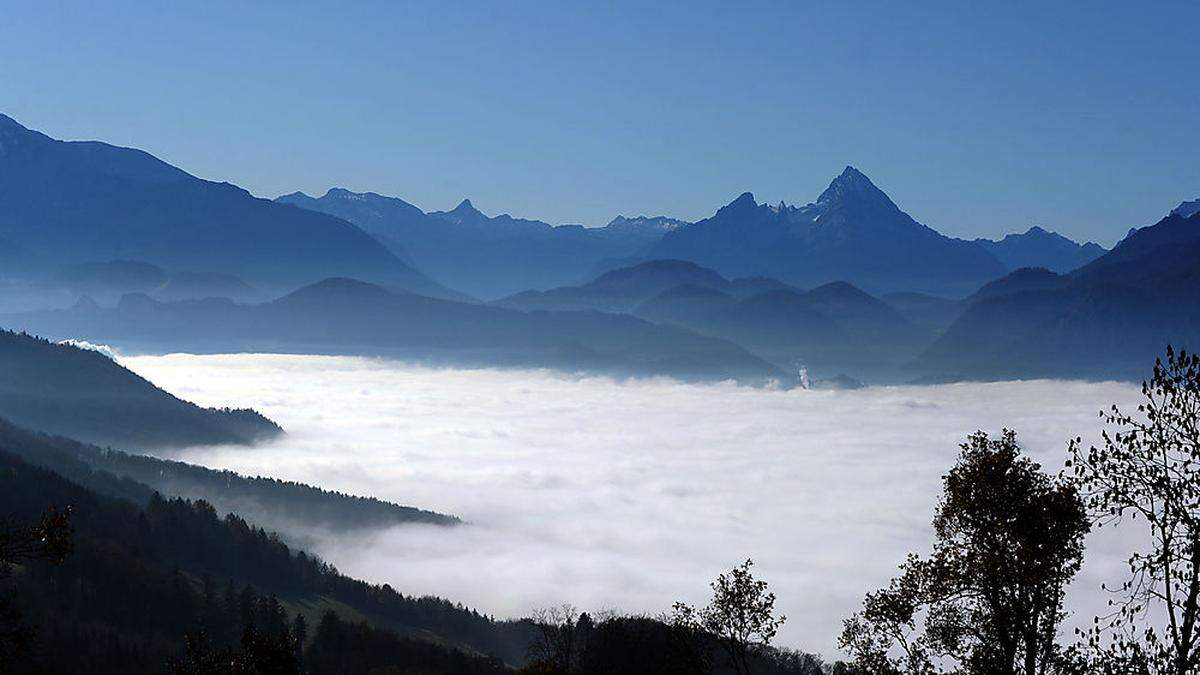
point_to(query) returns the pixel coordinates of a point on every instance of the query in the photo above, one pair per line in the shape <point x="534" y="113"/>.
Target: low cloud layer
<point x="631" y="495"/>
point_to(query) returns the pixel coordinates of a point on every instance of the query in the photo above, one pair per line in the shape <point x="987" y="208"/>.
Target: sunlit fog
<point x="628" y="494"/>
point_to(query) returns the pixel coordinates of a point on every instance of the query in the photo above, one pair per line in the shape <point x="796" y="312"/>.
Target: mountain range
<point x="486" y="256"/>
<point x="64" y="204"/>
<point x="853" y="233"/>
<point x="1109" y="318"/>
<point x="345" y="316"/>
<point x="154" y="258"/>
<point x="833" y="329"/>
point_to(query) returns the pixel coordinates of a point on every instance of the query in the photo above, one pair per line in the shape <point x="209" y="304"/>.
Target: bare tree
<point x="740" y="616"/>
<point x="558" y="643"/>
<point x="1148" y="470"/>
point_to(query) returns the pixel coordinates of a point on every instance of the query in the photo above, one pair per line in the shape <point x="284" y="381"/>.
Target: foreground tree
<point x="740" y="617"/>
<point x="258" y="653"/>
<point x="558" y="644"/>
<point x="988" y="600"/>
<point x="1148" y="469"/>
<point x="49" y="539"/>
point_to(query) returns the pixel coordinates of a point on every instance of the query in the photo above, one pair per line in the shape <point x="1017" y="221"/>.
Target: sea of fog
<point x="630" y="494"/>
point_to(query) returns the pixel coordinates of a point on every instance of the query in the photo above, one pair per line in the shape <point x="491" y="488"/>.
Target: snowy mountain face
<point x="643" y="225"/>
<point x="1187" y="209"/>
<point x="853" y="232"/>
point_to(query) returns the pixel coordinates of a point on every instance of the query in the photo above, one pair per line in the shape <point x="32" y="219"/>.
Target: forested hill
<point x="139" y="578"/>
<point x="83" y="394"/>
<point x="294" y="509"/>
<point x="170" y="586"/>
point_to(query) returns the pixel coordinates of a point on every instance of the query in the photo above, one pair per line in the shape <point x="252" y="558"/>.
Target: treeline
<point x="569" y="642"/>
<point x="140" y="578"/>
<point x="83" y="394"/>
<point x="289" y="507"/>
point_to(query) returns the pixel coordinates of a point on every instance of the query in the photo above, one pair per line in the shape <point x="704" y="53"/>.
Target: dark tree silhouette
<point x="258" y="654"/>
<point x="740" y="616"/>
<point x="1148" y="470"/>
<point x="49" y="540"/>
<point x="558" y="644"/>
<point x="988" y="599"/>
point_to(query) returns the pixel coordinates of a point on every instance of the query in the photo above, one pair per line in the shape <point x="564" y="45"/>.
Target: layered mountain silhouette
<point x="852" y="233"/>
<point x="1110" y="318"/>
<point x="622" y="289"/>
<point x="486" y="256"/>
<point x="832" y="329"/>
<point x="84" y="394"/>
<point x="111" y="279"/>
<point x="69" y="203"/>
<point x="1038" y="248"/>
<point x="344" y="316"/>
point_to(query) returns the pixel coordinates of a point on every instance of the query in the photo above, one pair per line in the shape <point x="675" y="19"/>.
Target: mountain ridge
<point x="74" y="202"/>
<point x="1103" y="320"/>
<point x="854" y="232"/>
<point x="488" y="256"/>
<point x="1038" y="247"/>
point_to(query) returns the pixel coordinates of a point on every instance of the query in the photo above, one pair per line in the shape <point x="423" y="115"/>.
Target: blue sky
<point x="1083" y="118"/>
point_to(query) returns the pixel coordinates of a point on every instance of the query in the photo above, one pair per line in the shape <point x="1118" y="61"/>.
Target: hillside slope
<point x="83" y="394"/>
<point x="140" y="577"/>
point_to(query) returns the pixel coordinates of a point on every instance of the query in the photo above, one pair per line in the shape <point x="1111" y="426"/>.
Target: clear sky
<point x="1083" y="118"/>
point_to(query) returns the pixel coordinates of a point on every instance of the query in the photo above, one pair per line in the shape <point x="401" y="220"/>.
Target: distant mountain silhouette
<point x="344" y="316"/>
<point x="107" y="281"/>
<point x="621" y="290"/>
<point x="1038" y="248"/>
<point x="65" y="390"/>
<point x="930" y="312"/>
<point x="1187" y="209"/>
<point x="830" y="329"/>
<point x="1024" y="279"/>
<point x="853" y="233"/>
<point x="123" y="276"/>
<point x="71" y="203"/>
<point x="1110" y="318"/>
<point x="485" y="256"/>
<point x="197" y="285"/>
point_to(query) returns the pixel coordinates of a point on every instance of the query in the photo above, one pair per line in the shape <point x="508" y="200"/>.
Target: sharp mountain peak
<point x="852" y="184"/>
